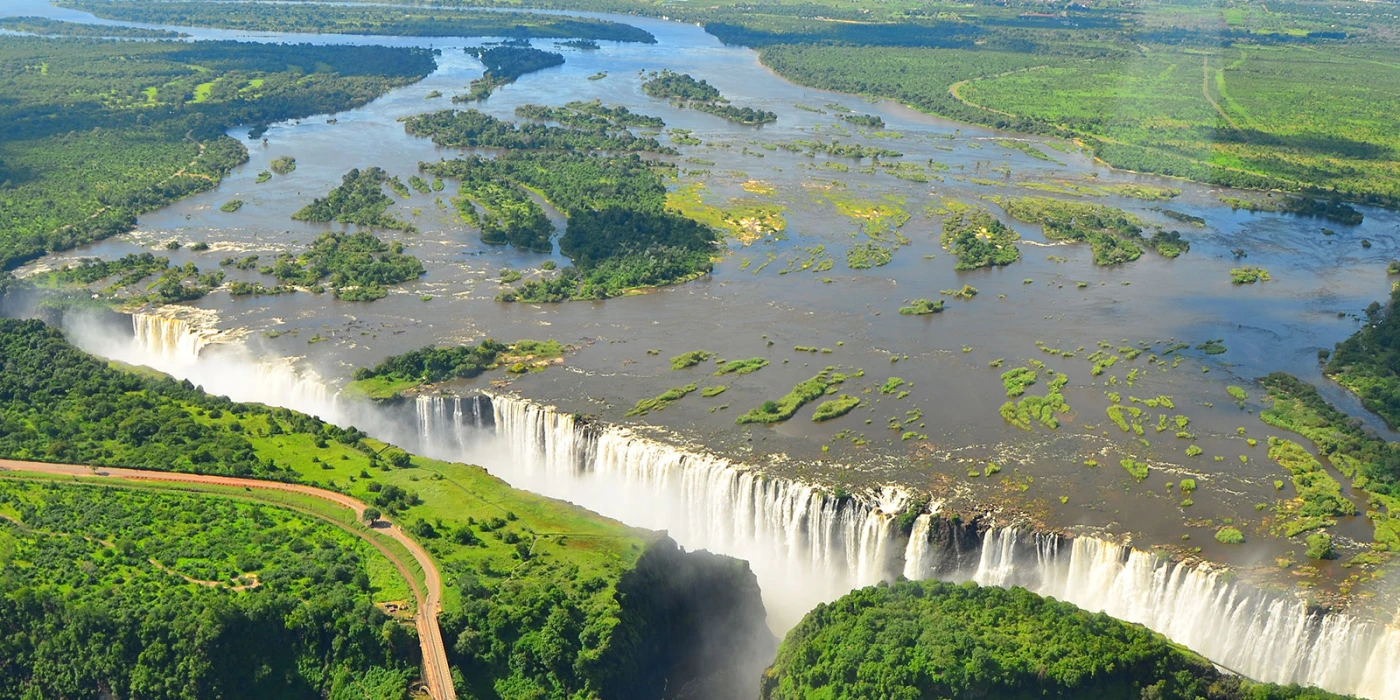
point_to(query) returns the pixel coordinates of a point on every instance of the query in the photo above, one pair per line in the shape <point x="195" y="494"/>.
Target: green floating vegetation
<point x="967" y="291"/>
<point x="1249" y="275"/>
<point x="662" y="400"/>
<point x="1138" y="470"/>
<point x="863" y="256"/>
<point x="264" y="176"/>
<point x="891" y="385"/>
<point x="1213" y="347"/>
<point x="1229" y="535"/>
<point x="710" y="391"/>
<point x="740" y="367"/>
<point x="1034" y="408"/>
<point x="690" y="359"/>
<point x="885" y="641"/>
<point x="1016" y="380"/>
<point x="783" y="409"/>
<point x="835" y="408"/>
<point x="922" y="307"/>
<point x="231" y="206"/>
<point x="1238" y="394"/>
<point x="977" y="238"/>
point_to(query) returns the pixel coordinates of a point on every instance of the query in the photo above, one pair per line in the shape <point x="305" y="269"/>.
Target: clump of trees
<point x="702" y="96"/>
<point x="918" y="639"/>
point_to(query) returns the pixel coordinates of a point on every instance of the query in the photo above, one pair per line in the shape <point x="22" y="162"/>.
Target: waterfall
<point x="1265" y="636"/>
<point x="808" y="545"/>
<point x="441" y="419"/>
<point x="170" y="340"/>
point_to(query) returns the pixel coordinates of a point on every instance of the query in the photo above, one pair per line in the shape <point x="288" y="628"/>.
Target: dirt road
<point x="436" y="673"/>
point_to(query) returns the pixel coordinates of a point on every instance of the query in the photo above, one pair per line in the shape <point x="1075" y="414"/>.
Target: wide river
<point x="760" y="301"/>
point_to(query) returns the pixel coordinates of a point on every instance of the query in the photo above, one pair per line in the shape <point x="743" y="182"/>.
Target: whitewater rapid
<point x="805" y="543"/>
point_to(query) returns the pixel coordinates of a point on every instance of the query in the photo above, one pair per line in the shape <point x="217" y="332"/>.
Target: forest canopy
<point x="928" y="639"/>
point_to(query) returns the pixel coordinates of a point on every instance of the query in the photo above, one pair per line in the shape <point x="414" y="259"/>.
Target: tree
<point x="371" y="516"/>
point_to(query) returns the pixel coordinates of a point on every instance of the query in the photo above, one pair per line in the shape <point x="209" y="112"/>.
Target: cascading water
<point x="808" y="546"/>
<point x="170" y="340"/>
<point x="1261" y="635"/>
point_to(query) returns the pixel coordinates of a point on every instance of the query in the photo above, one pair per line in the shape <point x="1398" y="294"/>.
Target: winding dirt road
<point x="436" y="673"/>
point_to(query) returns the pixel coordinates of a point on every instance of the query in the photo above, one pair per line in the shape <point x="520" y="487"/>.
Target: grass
<point x="709" y="391"/>
<point x="784" y="408"/>
<point x="662" y="400"/>
<point x="1249" y="275"/>
<point x="690" y="359"/>
<point x="922" y="307"/>
<point x="746" y="220"/>
<point x="231" y="206"/>
<point x="1138" y="470"/>
<point x="835" y="408"/>
<point x="741" y="367"/>
<point x="1229" y="535"/>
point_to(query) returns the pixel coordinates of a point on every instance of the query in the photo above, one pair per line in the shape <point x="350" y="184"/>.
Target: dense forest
<point x="138" y="593"/>
<point x="97" y="132"/>
<point x="333" y="19"/>
<point x="928" y="639"/>
<point x="590" y="116"/>
<point x="620" y="235"/>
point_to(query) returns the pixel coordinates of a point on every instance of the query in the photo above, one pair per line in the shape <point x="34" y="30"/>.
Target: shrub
<point x="1229" y="535"/>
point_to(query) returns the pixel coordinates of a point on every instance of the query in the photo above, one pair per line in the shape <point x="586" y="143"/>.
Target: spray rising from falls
<point x="807" y="546"/>
<point x="182" y="350"/>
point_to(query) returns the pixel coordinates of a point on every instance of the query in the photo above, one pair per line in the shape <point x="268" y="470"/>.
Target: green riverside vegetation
<point x="98" y="132"/>
<point x="359" y="199"/>
<point x="431" y="364"/>
<point x="504" y="64"/>
<point x="355" y="266"/>
<point x="927" y="639"/>
<point x="978" y="239"/>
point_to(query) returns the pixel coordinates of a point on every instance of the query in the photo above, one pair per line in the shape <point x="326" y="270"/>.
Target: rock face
<point x="693" y="627"/>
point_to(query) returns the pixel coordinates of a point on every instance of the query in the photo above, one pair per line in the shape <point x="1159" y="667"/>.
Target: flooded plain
<point x="940" y="430"/>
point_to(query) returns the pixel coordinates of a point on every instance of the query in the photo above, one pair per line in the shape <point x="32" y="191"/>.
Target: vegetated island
<point x="977" y="238"/>
<point x="928" y="639"/>
<point x="505" y="64"/>
<point x="538" y="595"/>
<point x="359" y="199"/>
<point x="700" y="95"/>
<point x="473" y="129"/>
<point x="85" y="152"/>
<point x="1114" y="236"/>
<point x="365" y="19"/>
<point x="127" y="282"/>
<point x="53" y="27"/>
<point x="399" y="374"/>
<point x="620" y="235"/>
<point x="355" y="266"/>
